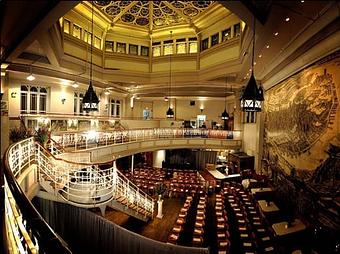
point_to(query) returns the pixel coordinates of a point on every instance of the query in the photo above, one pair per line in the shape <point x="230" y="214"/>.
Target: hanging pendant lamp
<point x="170" y="112"/>
<point x="90" y="100"/>
<point x="252" y="97"/>
<point x="225" y="115"/>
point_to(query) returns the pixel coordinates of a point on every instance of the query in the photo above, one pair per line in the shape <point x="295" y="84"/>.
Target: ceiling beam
<point x="150" y="17"/>
<point x="37" y="26"/>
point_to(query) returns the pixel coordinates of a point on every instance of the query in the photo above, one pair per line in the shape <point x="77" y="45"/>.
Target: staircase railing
<point x="80" y="184"/>
<point x="25" y="231"/>
<point x="87" y="184"/>
<point x="135" y="196"/>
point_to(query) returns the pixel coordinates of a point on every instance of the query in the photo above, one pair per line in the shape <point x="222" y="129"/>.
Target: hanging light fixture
<point x="170" y="111"/>
<point x="30" y="77"/>
<point x="90" y="100"/>
<point x="225" y="115"/>
<point x="252" y="97"/>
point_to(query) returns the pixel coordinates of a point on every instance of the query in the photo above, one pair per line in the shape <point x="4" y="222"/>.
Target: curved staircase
<point x="85" y="185"/>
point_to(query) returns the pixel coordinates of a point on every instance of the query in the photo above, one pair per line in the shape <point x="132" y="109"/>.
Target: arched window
<point x="23" y="99"/>
<point x="115" y="109"/>
<point x="33" y="99"/>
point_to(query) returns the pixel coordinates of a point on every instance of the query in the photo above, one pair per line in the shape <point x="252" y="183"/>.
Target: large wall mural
<point x="302" y="116"/>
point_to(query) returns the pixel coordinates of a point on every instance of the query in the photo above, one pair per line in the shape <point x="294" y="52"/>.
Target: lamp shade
<point x="225" y="115"/>
<point x="252" y="97"/>
<point x="170" y="113"/>
<point x="90" y="100"/>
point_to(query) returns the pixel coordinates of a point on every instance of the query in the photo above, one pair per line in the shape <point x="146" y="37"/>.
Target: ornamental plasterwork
<point x="162" y="12"/>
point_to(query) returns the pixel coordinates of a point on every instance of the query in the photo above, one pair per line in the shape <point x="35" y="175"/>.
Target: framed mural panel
<point x="302" y="116"/>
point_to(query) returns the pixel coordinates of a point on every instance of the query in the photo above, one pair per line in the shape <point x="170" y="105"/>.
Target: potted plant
<point x="160" y="190"/>
<point x="18" y="133"/>
<point x="42" y="136"/>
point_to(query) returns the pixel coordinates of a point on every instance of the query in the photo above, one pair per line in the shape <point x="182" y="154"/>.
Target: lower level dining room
<point x="249" y="215"/>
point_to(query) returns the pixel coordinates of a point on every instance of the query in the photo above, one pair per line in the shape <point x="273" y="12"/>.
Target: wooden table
<point x="281" y="229"/>
<point x="268" y="207"/>
<point x="262" y="193"/>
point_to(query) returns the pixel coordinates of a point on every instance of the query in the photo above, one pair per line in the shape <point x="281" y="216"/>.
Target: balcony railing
<point x="90" y="139"/>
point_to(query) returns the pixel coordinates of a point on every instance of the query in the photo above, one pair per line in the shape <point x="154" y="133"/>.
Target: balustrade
<point x="79" y="183"/>
<point x="85" y="140"/>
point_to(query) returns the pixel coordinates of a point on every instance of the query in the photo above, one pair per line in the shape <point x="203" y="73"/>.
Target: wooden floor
<point x="157" y="229"/>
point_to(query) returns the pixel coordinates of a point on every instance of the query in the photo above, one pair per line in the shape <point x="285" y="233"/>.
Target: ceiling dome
<point x="160" y="13"/>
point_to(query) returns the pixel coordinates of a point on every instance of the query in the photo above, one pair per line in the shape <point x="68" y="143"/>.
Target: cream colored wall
<point x="159" y="108"/>
<point x="178" y="63"/>
<point x="140" y="124"/>
<point x="14" y="103"/>
<point x="56" y="94"/>
<point x="131" y="63"/>
<point x="220" y="54"/>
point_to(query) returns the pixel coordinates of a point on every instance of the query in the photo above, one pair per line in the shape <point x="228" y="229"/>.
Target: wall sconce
<point x="202" y="108"/>
<point x="63" y="100"/>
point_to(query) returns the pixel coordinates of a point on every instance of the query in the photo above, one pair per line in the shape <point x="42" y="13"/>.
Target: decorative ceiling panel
<point x="162" y="13"/>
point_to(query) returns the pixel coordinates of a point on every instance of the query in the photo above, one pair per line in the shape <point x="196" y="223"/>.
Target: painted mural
<point x="302" y="116"/>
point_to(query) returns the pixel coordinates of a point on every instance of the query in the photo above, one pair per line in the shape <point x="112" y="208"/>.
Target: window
<point x="180" y="46"/>
<point x="204" y="44"/>
<point x="87" y="37"/>
<point x="78" y="103"/>
<point x="145" y="51"/>
<point x="33" y="99"/>
<point x="121" y="47"/>
<point x="97" y="42"/>
<point x="42" y="100"/>
<point x="76" y="31"/>
<point x="214" y="39"/>
<point x="237" y="30"/>
<point x="67" y="25"/>
<point x="114" y="108"/>
<point x="133" y="49"/>
<point x="156" y="49"/>
<point x="109" y="46"/>
<point x="192" y="45"/>
<point x="168" y="47"/>
<point x="23" y="99"/>
<point x="226" y="34"/>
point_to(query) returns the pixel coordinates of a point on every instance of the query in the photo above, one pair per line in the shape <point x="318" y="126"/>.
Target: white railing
<point x="134" y="196"/>
<point x="85" y="140"/>
<point x="80" y="184"/>
<point x="21" y="236"/>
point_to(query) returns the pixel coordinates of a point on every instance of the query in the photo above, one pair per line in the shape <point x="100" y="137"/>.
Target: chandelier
<point x="225" y="115"/>
<point x="252" y="97"/>
<point x="170" y="111"/>
<point x="90" y="100"/>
